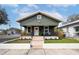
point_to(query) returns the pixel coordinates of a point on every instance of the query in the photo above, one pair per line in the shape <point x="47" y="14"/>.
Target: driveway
<point x="39" y="51"/>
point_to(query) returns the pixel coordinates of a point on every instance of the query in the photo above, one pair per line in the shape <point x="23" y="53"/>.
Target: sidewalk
<point x="39" y="52"/>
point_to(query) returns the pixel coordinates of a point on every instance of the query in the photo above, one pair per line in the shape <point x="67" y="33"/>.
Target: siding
<point x="70" y="31"/>
<point x="45" y="21"/>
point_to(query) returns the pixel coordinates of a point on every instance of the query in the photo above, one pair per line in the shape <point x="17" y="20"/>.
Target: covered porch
<point x="39" y="30"/>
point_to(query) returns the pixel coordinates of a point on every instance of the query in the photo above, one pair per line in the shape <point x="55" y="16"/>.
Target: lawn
<point x="66" y="40"/>
<point x="20" y="41"/>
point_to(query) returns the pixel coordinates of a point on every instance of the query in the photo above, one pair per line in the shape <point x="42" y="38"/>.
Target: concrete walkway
<point x="39" y="51"/>
<point x="37" y="42"/>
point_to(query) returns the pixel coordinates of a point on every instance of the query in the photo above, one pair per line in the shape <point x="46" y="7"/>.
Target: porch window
<point x="46" y="30"/>
<point x="39" y="16"/>
<point x="29" y="30"/>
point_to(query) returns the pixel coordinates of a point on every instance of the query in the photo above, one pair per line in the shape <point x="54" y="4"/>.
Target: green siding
<point x="45" y="21"/>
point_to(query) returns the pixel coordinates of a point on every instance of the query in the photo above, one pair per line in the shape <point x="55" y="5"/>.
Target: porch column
<point x="26" y="29"/>
<point x="21" y="31"/>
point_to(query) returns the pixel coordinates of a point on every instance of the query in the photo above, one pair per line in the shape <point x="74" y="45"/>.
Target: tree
<point x="73" y="17"/>
<point x="3" y="16"/>
<point x="59" y="32"/>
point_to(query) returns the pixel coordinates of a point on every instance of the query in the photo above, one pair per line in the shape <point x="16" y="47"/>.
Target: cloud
<point x="55" y="14"/>
<point x="33" y="6"/>
<point x="62" y="5"/>
<point x="25" y="10"/>
<point x="22" y="13"/>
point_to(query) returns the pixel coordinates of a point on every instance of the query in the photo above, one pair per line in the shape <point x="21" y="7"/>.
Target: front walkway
<point x="37" y="42"/>
<point x="39" y="52"/>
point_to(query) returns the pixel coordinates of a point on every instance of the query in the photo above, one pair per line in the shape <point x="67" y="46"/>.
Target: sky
<point x="17" y="11"/>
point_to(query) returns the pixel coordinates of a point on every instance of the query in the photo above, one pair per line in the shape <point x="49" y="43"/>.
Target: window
<point x="29" y="29"/>
<point x="46" y="30"/>
<point x="39" y="16"/>
<point x="77" y="28"/>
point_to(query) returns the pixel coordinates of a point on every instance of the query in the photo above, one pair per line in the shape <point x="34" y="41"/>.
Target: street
<point x="7" y="37"/>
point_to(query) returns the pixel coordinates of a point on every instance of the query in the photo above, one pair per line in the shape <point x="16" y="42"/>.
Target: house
<point x="39" y="24"/>
<point x="13" y="31"/>
<point x="1" y="31"/>
<point x="71" y="28"/>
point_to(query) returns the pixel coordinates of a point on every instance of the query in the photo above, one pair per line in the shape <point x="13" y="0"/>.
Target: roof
<point x="65" y="24"/>
<point x="45" y="14"/>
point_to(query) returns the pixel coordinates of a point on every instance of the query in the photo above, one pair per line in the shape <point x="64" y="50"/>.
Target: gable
<point x="44" y="21"/>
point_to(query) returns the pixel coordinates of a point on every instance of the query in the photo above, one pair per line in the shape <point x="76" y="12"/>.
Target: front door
<point x="36" y="30"/>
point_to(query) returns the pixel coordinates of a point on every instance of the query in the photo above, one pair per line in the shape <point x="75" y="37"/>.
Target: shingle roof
<point x="43" y="13"/>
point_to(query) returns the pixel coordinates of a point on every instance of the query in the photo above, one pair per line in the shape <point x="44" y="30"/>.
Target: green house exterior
<point x="39" y="24"/>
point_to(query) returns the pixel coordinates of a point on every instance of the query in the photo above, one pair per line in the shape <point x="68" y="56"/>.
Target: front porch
<point x="39" y="30"/>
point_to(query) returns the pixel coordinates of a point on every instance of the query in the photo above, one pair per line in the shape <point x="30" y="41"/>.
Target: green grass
<point x="20" y="41"/>
<point x="66" y="40"/>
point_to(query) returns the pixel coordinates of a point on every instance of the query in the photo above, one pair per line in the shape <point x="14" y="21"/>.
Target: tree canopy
<point x="3" y="16"/>
<point x="73" y="17"/>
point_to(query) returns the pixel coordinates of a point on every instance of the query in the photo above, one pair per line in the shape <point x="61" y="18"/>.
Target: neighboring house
<point x="1" y="32"/>
<point x="71" y="28"/>
<point x="39" y="24"/>
<point x="13" y="31"/>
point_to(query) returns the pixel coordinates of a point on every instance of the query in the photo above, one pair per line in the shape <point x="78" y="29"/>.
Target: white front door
<point x="36" y="30"/>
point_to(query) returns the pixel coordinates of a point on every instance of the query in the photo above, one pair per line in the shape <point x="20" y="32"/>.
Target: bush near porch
<point x="64" y="40"/>
<point x="59" y="32"/>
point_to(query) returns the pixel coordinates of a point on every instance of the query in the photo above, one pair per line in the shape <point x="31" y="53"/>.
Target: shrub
<point x="23" y="33"/>
<point x="59" y="33"/>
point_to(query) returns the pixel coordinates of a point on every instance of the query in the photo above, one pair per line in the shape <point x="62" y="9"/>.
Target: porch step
<point x="37" y="42"/>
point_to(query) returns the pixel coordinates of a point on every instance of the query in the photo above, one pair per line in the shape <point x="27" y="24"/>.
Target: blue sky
<point x="16" y="11"/>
